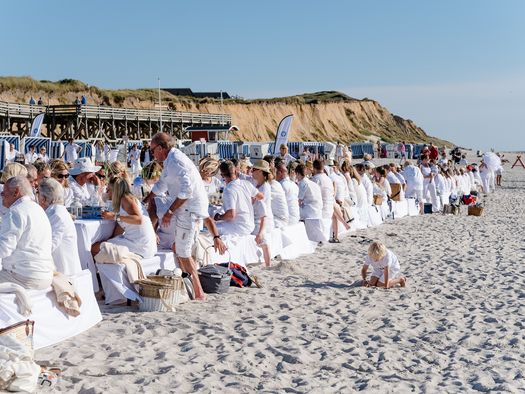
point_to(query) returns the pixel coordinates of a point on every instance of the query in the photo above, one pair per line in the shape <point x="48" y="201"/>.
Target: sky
<point x="456" y="68"/>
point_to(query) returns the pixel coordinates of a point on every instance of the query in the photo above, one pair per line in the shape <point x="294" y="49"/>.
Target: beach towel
<point x="67" y="298"/>
<point x="117" y="254"/>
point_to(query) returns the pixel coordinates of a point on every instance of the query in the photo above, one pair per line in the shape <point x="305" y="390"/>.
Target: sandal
<point x="334" y="241"/>
<point x="255" y="279"/>
<point x="48" y="377"/>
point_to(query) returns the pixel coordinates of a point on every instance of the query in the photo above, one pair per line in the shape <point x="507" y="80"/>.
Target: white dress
<point x="139" y="238"/>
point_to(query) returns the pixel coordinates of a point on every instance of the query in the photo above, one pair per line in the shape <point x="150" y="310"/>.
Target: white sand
<point x="457" y="327"/>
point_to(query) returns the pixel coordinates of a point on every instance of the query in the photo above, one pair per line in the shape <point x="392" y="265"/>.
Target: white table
<point x="89" y="232"/>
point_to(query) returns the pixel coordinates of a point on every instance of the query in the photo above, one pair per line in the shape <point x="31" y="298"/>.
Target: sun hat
<point x="330" y="162"/>
<point x="248" y="162"/>
<point x="262" y="165"/>
<point x="82" y="165"/>
<point x="368" y="164"/>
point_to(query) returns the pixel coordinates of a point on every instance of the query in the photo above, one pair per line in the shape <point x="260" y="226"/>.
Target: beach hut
<point x="6" y="140"/>
<point x="38" y="143"/>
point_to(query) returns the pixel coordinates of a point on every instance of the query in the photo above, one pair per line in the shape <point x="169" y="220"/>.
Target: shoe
<point x="334" y="241"/>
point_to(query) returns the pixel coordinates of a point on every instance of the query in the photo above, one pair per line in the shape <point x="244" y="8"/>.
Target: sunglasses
<point x="62" y="176"/>
<point x="100" y="176"/>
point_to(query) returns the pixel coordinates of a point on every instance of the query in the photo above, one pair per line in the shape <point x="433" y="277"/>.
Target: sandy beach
<point x="457" y="327"/>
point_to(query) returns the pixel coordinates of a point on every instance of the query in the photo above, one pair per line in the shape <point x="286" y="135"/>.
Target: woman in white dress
<point x="263" y="209"/>
<point x="134" y="229"/>
<point x="134" y="160"/>
<point x="60" y="171"/>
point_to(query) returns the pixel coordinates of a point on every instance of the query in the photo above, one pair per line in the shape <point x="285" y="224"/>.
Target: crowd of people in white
<point x="170" y="203"/>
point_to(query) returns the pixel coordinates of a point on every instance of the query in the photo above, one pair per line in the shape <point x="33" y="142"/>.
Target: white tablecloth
<point x="51" y="324"/>
<point x="89" y="232"/>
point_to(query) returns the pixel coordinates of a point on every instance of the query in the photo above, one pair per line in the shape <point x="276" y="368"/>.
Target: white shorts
<point x="186" y="229"/>
<point x="381" y="275"/>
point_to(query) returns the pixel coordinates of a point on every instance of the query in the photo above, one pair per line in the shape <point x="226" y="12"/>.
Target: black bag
<point x="427" y="208"/>
<point x="215" y="279"/>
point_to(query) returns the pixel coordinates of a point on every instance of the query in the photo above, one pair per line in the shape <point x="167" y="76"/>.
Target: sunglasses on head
<point x="62" y="176"/>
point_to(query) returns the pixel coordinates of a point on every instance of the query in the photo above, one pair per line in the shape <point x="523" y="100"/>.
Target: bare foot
<point x="402" y="281"/>
<point x="201" y="298"/>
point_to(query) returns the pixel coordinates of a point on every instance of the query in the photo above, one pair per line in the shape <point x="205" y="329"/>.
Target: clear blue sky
<point x="457" y="68"/>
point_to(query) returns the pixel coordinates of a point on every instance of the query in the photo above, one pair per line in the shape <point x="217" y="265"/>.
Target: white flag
<point x="283" y="131"/>
<point x="37" y="125"/>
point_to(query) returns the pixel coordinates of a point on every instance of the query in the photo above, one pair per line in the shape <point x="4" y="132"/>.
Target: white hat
<point x="82" y="165"/>
<point x="369" y="164"/>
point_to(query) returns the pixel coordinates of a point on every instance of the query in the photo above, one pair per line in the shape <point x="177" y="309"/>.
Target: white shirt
<point x="81" y="193"/>
<point x="238" y="196"/>
<point x="390" y="260"/>
<point x="369" y="188"/>
<point x="279" y="205"/>
<point x="291" y="191"/>
<point x="64" y="240"/>
<point x="11" y="156"/>
<point x="311" y="200"/>
<point x="413" y="177"/>
<point x="341" y="186"/>
<point x="392" y="178"/>
<point x="31" y="157"/>
<point x="134" y="156"/>
<point x="25" y="241"/>
<point x="287" y="158"/>
<point x="360" y="192"/>
<point x="44" y="157"/>
<point x="213" y="186"/>
<point x="71" y="152"/>
<point x="181" y="179"/>
<point x="327" y="193"/>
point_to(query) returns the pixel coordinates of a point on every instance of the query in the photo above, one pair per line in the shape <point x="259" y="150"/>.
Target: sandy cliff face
<point x="343" y="119"/>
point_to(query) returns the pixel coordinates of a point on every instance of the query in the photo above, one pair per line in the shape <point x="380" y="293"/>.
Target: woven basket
<point x="22" y="332"/>
<point x="474" y="210"/>
<point x="160" y="293"/>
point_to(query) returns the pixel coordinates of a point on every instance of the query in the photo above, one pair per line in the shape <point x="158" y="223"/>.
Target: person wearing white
<point x="310" y="197"/>
<point x="279" y="205"/>
<point x="71" y="151"/>
<point x="11" y="154"/>
<point x="238" y="217"/>
<point x="134" y="160"/>
<point x="31" y="156"/>
<point x="385" y="267"/>
<point x="83" y="181"/>
<point x="291" y="192"/>
<point x="327" y="190"/>
<point x="181" y="180"/>
<point x="284" y="155"/>
<point x="414" y="181"/>
<point x="43" y="155"/>
<point x="63" y="232"/>
<point x="139" y="235"/>
<point x="366" y="181"/>
<point x="25" y="238"/>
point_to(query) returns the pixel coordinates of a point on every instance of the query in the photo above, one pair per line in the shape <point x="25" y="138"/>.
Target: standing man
<point x="181" y="179"/>
<point x="145" y="153"/>
<point x="71" y="151"/>
<point x="284" y="155"/>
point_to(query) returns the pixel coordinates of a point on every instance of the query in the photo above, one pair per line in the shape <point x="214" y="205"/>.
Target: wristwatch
<point x="117" y="217"/>
<point x="217" y="237"/>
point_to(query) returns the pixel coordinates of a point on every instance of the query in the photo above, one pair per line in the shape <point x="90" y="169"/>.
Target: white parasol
<point x="491" y="160"/>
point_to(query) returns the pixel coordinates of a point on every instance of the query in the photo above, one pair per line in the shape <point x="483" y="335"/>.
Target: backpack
<point x="239" y="276"/>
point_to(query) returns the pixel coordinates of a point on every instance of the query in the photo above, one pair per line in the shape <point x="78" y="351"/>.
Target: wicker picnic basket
<point x="160" y="293"/>
<point x="22" y="332"/>
<point x="474" y="210"/>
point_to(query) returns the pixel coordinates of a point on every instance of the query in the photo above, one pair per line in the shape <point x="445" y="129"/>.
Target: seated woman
<point x="63" y="232"/>
<point x="134" y="229"/>
<point x="60" y="172"/>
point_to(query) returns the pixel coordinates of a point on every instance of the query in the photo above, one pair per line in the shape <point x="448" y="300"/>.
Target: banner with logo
<point x="37" y="125"/>
<point x="281" y="137"/>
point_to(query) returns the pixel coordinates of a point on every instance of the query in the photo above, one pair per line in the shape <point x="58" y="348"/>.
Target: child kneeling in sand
<point x="385" y="267"/>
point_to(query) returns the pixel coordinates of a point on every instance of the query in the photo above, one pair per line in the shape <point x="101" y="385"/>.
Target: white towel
<point x="22" y="300"/>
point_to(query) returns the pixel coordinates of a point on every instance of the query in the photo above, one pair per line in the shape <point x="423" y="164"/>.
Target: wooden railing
<point x="108" y="113"/>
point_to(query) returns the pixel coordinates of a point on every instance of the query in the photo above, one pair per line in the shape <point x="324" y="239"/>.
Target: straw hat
<point x="209" y="165"/>
<point x="82" y="165"/>
<point x="262" y="165"/>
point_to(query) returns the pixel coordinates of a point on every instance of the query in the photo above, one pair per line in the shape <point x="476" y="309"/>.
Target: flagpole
<point x="160" y="106"/>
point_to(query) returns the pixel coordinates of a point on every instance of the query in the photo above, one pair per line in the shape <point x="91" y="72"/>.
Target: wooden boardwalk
<point x="101" y="122"/>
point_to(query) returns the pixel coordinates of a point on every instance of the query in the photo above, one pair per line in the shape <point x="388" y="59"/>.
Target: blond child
<point x="385" y="267"/>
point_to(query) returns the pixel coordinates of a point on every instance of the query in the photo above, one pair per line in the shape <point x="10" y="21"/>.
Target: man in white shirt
<point x="31" y="156"/>
<point x="291" y="191"/>
<point x="362" y="170"/>
<point x="25" y="238"/>
<point x="414" y="181"/>
<point x="327" y="188"/>
<point x="181" y="180"/>
<point x="238" y="195"/>
<point x="83" y="181"/>
<point x="71" y="151"/>
<point x="310" y="197"/>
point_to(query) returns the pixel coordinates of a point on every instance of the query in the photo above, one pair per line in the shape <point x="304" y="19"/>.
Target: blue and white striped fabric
<point x="12" y="139"/>
<point x="417" y="150"/>
<point x="226" y="149"/>
<point x="357" y="150"/>
<point x="5" y="140"/>
<point x="293" y="148"/>
<point x="38" y="142"/>
<point x="56" y="150"/>
<point x="368" y="148"/>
